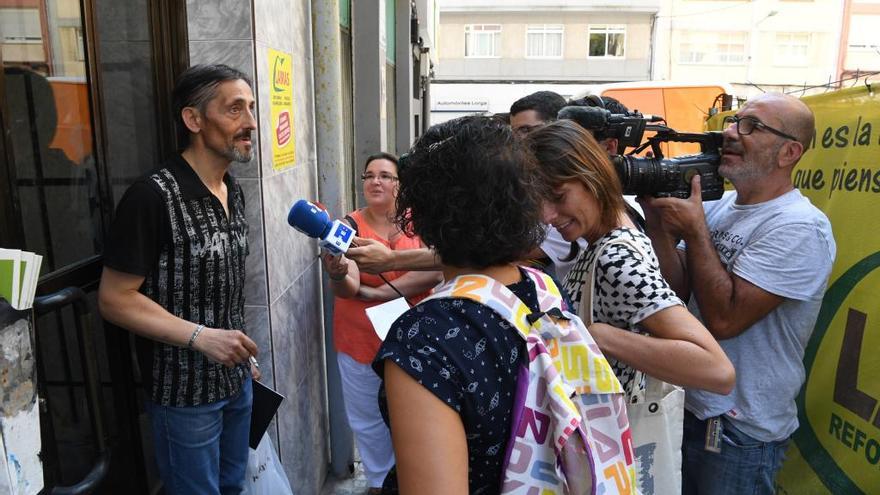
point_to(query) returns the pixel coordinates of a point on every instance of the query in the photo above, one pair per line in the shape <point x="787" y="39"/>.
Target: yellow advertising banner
<point x="281" y="110"/>
<point x="836" y="449"/>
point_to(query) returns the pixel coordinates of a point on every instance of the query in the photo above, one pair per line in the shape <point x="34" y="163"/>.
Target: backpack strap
<point x="488" y="292"/>
<point x="575" y="354"/>
<point x="549" y="295"/>
<point x="492" y="293"/>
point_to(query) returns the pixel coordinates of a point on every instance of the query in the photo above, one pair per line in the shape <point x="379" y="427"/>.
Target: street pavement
<point x="356" y="485"/>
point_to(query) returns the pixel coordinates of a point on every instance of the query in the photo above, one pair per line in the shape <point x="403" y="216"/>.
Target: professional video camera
<point x="655" y="176"/>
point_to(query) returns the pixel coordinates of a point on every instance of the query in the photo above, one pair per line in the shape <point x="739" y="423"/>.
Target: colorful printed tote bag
<point x="570" y="432"/>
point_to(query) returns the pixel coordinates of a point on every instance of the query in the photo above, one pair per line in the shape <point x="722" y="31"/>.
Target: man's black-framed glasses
<point x="746" y="125"/>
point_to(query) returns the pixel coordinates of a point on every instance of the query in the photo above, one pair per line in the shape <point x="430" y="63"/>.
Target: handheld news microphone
<point x="314" y="221"/>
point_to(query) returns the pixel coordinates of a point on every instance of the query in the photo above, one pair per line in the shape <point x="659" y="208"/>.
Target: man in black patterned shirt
<point x="174" y="274"/>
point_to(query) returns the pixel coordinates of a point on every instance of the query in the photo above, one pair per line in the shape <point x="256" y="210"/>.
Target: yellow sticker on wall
<point x="281" y="110"/>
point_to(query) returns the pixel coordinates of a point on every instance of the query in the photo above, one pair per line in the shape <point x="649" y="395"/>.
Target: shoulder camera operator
<point x="757" y="263"/>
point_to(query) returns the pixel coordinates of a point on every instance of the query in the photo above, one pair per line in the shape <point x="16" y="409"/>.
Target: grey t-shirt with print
<point x="784" y="246"/>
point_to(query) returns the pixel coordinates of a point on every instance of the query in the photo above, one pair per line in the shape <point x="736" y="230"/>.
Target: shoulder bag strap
<point x="585" y="309"/>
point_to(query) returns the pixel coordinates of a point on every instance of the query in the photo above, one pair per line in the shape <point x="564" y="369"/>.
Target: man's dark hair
<point x="380" y="156"/>
<point x="464" y="190"/>
<point x="546" y="103"/>
<point x="197" y="86"/>
<point x="503" y="117"/>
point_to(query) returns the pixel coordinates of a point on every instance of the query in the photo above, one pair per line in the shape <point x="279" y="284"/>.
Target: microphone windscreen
<point x="590" y="118"/>
<point x="308" y="218"/>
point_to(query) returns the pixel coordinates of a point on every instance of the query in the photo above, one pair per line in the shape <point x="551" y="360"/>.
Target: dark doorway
<point x="85" y="89"/>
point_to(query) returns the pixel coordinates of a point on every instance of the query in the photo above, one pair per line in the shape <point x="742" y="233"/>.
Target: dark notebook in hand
<point x="266" y="402"/>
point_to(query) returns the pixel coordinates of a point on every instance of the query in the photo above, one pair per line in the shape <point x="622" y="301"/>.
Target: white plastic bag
<point x="264" y="474"/>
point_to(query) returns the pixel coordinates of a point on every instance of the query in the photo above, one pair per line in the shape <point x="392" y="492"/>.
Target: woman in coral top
<point x="353" y="336"/>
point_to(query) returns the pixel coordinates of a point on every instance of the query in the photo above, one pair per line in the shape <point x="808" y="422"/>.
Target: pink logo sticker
<point x="282" y="131"/>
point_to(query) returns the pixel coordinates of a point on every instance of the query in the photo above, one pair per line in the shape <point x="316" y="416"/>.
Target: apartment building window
<point x="482" y="40"/>
<point x="696" y="46"/>
<point x="544" y="41"/>
<point x="792" y="48"/>
<point x="20" y="26"/>
<point x="607" y="40"/>
<point x="712" y="48"/>
<point x="693" y="49"/>
<point x="863" y="32"/>
<point x="731" y="48"/>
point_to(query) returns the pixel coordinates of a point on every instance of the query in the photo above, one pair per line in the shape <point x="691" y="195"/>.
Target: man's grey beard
<point x="233" y="154"/>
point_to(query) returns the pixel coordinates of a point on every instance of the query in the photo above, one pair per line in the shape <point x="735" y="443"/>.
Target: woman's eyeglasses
<point x="747" y="125"/>
<point x="386" y="178"/>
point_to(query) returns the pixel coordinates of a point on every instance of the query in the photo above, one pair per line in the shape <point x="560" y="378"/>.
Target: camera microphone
<point x="595" y="118"/>
<point x="314" y="221"/>
<point x="590" y="118"/>
<point x="627" y="128"/>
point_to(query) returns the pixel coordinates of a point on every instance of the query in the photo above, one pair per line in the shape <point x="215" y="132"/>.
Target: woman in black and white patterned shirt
<point x="583" y="199"/>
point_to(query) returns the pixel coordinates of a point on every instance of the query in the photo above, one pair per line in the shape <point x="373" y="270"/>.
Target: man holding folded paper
<point x="174" y="274"/>
<point x="354" y="338"/>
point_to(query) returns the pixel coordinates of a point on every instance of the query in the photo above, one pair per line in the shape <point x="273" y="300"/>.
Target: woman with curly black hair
<point x="449" y="367"/>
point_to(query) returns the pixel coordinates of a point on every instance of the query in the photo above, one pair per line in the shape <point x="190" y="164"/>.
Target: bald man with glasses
<point x="754" y="265"/>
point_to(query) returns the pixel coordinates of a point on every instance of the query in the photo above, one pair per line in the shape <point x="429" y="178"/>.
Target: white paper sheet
<point x="383" y="315"/>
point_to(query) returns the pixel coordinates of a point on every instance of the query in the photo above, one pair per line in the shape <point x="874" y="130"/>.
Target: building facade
<point x="492" y="52"/>
<point x="765" y="45"/>
<point x="567" y="47"/>
<point x="543" y="41"/>
<point x="86" y="110"/>
<point x="859" y="56"/>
